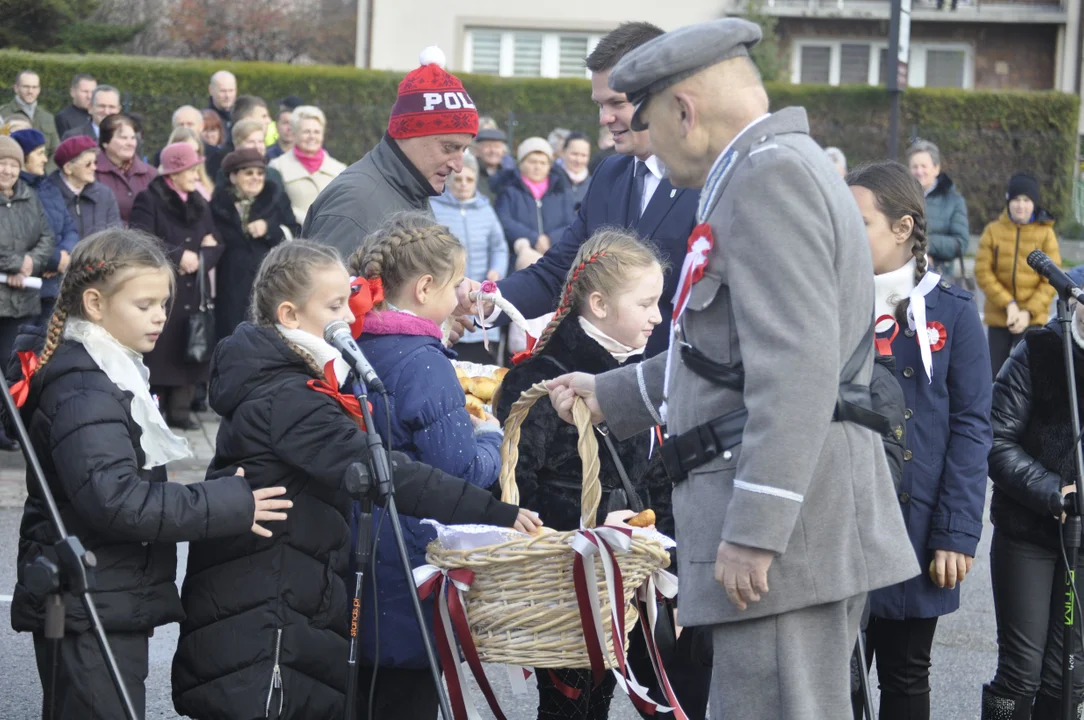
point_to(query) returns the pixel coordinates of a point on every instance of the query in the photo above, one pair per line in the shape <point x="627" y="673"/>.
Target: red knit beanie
<point x="432" y="101"/>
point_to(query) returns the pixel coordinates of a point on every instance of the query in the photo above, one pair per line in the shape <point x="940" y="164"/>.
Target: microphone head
<point x="335" y="327"/>
<point x="1038" y="260"/>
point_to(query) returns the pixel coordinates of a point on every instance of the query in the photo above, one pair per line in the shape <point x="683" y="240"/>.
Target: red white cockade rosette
<point x="450" y="623"/>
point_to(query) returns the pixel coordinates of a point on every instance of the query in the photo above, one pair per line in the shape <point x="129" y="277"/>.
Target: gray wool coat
<point x="24" y="230"/>
<point x="788" y="293"/>
<point x="358" y="200"/>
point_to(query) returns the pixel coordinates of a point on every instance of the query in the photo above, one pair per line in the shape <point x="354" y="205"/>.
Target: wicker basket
<point x="522" y="606"/>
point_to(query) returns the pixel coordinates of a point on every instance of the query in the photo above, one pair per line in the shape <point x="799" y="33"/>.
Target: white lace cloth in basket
<point x="469" y="537"/>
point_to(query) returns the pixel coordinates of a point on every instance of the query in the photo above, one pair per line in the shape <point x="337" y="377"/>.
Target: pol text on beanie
<point x="432" y="101"/>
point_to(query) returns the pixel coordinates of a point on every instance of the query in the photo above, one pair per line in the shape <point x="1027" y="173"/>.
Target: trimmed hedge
<point x="984" y="137"/>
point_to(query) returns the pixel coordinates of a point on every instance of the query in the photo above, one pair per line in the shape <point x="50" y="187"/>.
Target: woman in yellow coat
<point x="1017" y="297"/>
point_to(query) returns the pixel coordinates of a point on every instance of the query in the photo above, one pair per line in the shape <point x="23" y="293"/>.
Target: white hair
<point x="182" y="108"/>
<point x="308" y="112"/>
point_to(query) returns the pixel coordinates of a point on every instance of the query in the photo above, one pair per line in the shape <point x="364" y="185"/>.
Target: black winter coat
<point x="81" y="428"/>
<point x="242" y="253"/>
<point x="181" y="226"/>
<point x="263" y="609"/>
<point x="1032" y="457"/>
<point x="549" y="472"/>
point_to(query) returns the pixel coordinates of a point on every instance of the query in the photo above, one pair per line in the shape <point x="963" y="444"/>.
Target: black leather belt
<point x="681" y="454"/>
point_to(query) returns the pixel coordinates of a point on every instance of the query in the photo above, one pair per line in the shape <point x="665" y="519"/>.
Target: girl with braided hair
<point x="267" y="623"/>
<point x="607" y="312"/>
<point x="83" y="392"/>
<point x="942" y="365"/>
<point x="415" y="264"/>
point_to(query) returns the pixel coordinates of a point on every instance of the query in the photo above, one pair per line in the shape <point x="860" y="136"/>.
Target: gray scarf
<point x="28" y="109"/>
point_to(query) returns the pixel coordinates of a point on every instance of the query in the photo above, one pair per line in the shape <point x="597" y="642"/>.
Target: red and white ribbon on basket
<point x="449" y="623"/>
<point x="604" y="542"/>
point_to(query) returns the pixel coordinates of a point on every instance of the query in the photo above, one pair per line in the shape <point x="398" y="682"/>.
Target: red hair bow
<point x="525" y="354"/>
<point x="365" y="294"/>
<point x="330" y="387"/>
<point x="21" y="390"/>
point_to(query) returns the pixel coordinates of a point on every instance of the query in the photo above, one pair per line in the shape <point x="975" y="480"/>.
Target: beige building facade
<point x="968" y="44"/>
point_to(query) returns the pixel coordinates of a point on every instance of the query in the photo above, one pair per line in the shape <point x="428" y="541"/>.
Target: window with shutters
<point x="846" y="62"/>
<point x="854" y="62"/>
<point x="945" y="68"/>
<point x="526" y="53"/>
<point x="486" y="52"/>
<point x="816" y="64"/>
<point x="573" y="50"/>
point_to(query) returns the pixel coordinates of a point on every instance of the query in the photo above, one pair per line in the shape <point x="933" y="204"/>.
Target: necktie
<point x="636" y="202"/>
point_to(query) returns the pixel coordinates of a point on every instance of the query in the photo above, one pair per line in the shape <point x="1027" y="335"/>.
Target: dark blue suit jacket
<point x="666" y="223"/>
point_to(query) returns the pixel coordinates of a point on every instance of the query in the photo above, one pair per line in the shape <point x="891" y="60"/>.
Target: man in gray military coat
<point x="784" y="505"/>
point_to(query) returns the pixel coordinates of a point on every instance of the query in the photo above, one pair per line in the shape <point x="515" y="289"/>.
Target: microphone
<point x="337" y="334"/>
<point x="1041" y="263"/>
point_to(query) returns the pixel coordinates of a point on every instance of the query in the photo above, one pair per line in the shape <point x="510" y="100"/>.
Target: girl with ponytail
<point x="607" y="312"/>
<point x="932" y="328"/>
<point x="83" y="392"/>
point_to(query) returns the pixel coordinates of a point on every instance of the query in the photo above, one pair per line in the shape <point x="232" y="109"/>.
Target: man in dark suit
<point x="627" y="190"/>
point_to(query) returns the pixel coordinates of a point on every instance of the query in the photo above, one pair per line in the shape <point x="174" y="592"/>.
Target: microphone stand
<point x="380" y="468"/>
<point x="358" y="486"/>
<point x="1071" y="528"/>
<point x="72" y="572"/>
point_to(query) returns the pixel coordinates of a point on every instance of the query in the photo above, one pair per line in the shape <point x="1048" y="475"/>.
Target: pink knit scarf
<point x="311" y="163"/>
<point x="538" y="189"/>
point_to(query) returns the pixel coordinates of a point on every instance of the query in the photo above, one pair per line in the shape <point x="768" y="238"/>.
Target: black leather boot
<point x="1003" y="707"/>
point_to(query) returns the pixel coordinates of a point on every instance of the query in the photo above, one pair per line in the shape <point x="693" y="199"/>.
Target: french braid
<point x="99" y="262"/>
<point x="285" y="275"/>
<point x="603" y="265"/>
<point x="407" y="246"/>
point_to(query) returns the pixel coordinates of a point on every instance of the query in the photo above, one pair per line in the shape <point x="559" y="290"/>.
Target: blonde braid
<point x="310" y="363"/>
<point x="53" y="335"/>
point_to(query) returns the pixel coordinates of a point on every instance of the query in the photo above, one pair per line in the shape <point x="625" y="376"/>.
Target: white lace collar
<point x="318" y="349"/>
<point x="620" y="351"/>
<point x="124" y="367"/>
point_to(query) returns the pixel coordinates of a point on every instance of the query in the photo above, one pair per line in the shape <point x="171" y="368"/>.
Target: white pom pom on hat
<point x="432" y="55"/>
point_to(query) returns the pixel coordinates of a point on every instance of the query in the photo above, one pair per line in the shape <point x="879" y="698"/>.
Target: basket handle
<point x="587" y="446"/>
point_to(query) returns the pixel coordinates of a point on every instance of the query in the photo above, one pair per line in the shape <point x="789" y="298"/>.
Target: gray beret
<point x="676" y="55"/>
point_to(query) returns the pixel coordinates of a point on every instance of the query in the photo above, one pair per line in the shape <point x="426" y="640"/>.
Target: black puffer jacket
<point x="1032" y="457"/>
<point x="549" y="472"/>
<point x="81" y="428"/>
<point x="264" y="609"/>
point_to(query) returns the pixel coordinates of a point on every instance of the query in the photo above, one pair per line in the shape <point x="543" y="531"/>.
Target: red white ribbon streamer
<point x="450" y="623"/>
<point x="604" y="542"/>
<point x="699" y="247"/>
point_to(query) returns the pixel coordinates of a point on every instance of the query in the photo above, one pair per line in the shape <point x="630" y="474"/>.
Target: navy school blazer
<point x="666" y="223"/>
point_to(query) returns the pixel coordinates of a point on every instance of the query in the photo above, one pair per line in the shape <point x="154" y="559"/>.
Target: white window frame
<point x="916" y="69"/>
<point x="551" y="49"/>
